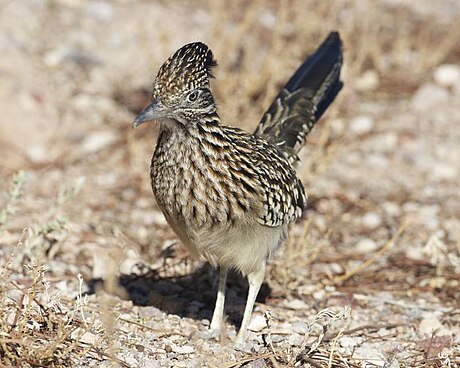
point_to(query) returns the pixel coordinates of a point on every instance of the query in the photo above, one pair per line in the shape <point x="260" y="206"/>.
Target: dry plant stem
<point x="334" y="342"/>
<point x="14" y="194"/>
<point x="274" y="362"/>
<point x="161" y="333"/>
<point x="362" y="328"/>
<point x="246" y="360"/>
<point x="388" y="245"/>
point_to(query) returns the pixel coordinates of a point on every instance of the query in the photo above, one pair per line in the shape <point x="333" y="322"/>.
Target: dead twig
<point x="248" y="359"/>
<point x="388" y="245"/>
<point x="363" y="328"/>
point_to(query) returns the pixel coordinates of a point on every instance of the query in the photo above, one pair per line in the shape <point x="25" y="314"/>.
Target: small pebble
<point x="258" y="323"/>
<point x="319" y="294"/>
<point x="295" y="339"/>
<point x="102" y="10"/>
<point x="150" y="312"/>
<point x="366" y="245"/>
<point x="98" y="141"/>
<point x="362" y="124"/>
<point x="258" y="363"/>
<point x="186" y="349"/>
<point x="392" y="208"/>
<point x="368" y="81"/>
<point x="369" y="354"/>
<point x="295" y="304"/>
<point x="37" y="153"/>
<point x="348" y="342"/>
<point x="429" y="97"/>
<point x="371" y="220"/>
<point x="300" y="327"/>
<point x="428" y="325"/>
<point x="447" y="75"/>
<point x="130" y="360"/>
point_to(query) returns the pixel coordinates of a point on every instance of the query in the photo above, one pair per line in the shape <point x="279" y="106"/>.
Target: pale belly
<point x="243" y="248"/>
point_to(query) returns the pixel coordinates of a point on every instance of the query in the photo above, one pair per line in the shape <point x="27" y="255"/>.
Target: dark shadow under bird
<point x="230" y="195"/>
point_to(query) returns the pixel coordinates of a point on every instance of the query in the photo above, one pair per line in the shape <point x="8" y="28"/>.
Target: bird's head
<point x="181" y="91"/>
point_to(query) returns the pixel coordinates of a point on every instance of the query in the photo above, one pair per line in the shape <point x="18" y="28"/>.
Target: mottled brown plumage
<point x="230" y="195"/>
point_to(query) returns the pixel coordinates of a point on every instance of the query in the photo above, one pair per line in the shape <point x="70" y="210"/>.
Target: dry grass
<point x="257" y="60"/>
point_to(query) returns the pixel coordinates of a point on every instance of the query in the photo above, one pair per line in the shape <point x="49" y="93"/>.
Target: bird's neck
<point x="190" y="131"/>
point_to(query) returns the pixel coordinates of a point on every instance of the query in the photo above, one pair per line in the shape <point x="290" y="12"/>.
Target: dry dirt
<point x="91" y="274"/>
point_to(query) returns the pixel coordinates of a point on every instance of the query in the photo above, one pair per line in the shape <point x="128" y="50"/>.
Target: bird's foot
<point x="214" y="332"/>
<point x="242" y="345"/>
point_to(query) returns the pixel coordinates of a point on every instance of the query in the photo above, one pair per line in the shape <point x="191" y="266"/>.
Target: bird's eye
<point x="192" y="96"/>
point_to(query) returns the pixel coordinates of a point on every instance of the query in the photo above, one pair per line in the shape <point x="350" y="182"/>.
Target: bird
<point x="230" y="195"/>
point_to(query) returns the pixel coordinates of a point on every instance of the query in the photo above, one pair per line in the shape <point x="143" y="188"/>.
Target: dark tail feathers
<point x="304" y="98"/>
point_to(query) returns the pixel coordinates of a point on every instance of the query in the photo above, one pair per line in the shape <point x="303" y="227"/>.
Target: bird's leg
<point x="218" y="315"/>
<point x="255" y="281"/>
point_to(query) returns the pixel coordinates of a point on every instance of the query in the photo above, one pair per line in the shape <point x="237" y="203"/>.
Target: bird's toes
<point x="214" y="332"/>
<point x="242" y="345"/>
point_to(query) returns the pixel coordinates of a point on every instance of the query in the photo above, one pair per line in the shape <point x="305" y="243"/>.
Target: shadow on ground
<point x="192" y="295"/>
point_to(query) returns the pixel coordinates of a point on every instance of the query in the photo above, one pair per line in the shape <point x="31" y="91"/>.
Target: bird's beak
<point x="151" y="112"/>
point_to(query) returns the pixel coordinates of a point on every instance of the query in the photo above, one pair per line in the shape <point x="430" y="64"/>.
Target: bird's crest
<point x="189" y="68"/>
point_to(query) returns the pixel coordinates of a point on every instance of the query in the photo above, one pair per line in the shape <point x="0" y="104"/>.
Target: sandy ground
<point x="370" y="276"/>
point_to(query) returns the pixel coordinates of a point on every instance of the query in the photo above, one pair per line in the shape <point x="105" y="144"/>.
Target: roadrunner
<point x="230" y="195"/>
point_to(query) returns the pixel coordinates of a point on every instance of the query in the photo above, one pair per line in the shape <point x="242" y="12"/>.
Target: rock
<point x="429" y="216"/>
<point x="429" y="97"/>
<point x="295" y="339"/>
<point x="348" y="342"/>
<point x="371" y="220"/>
<point x="278" y="338"/>
<point x="258" y="363"/>
<point x="258" y="323"/>
<point x="56" y="56"/>
<point x="369" y="354"/>
<point x="319" y="294"/>
<point x="89" y="338"/>
<point x="409" y="207"/>
<point x="150" y="362"/>
<point x="338" y="126"/>
<point x="97" y="141"/>
<point x="447" y="75"/>
<point x="366" y="245"/>
<point x="392" y="208"/>
<point x="414" y="252"/>
<point x="392" y="363"/>
<point x="378" y="161"/>
<point x="362" y="124"/>
<point x="267" y="18"/>
<point x="443" y="171"/>
<point x="385" y="142"/>
<point x="295" y="304"/>
<point x="204" y="335"/>
<point x="300" y="327"/>
<point x="428" y="325"/>
<point x="130" y="360"/>
<point x="186" y="349"/>
<point x="101" y="10"/>
<point x="37" y="153"/>
<point x="335" y="268"/>
<point x="368" y="81"/>
<point x="150" y="312"/>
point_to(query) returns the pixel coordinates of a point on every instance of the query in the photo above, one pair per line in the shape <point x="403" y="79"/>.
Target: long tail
<point x="304" y="98"/>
